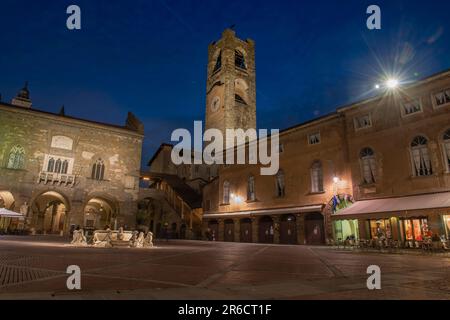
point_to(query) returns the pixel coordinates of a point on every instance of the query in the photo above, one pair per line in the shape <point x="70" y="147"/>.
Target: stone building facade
<point x="242" y="205"/>
<point x="379" y="167"/>
<point x="376" y="167"/>
<point x="170" y="197"/>
<point x="62" y="171"/>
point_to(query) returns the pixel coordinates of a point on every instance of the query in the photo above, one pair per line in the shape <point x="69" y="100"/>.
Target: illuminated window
<point x="55" y="164"/>
<point x="58" y="166"/>
<point x="98" y="170"/>
<point x="446" y="220"/>
<point x="362" y="122"/>
<point x="314" y="138"/>
<point x="64" y="167"/>
<point x="380" y="229"/>
<point x="51" y="165"/>
<point x="226" y="193"/>
<point x="279" y="181"/>
<point x="316" y="177"/>
<point x="420" y="157"/>
<point x="16" y="158"/>
<point x="251" y="188"/>
<point x="441" y="98"/>
<point x="415" y="229"/>
<point x="411" y="107"/>
<point x="446" y="139"/>
<point x="368" y="165"/>
<point x="346" y="230"/>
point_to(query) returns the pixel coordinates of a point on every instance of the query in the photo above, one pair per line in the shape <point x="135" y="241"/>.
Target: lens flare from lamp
<point x="392" y="83"/>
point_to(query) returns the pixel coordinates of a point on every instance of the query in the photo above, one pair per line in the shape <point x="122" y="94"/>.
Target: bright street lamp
<point x="392" y="83"/>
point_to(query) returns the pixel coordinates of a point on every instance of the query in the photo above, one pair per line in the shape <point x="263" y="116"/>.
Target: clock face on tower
<point x="215" y="104"/>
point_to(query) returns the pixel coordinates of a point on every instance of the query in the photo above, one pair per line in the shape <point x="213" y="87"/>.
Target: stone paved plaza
<point x="34" y="268"/>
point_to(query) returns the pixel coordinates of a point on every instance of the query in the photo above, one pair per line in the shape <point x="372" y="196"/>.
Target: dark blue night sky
<point x="149" y="56"/>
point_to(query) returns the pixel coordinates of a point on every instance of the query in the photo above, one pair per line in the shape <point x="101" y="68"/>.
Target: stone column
<point x="300" y="224"/>
<point x="435" y="222"/>
<point x="362" y="230"/>
<point x="66" y="228"/>
<point x="76" y="214"/>
<point x="276" y="229"/>
<point x="255" y="230"/>
<point x="237" y="230"/>
<point x="221" y="230"/>
<point x="204" y="229"/>
<point x="395" y="231"/>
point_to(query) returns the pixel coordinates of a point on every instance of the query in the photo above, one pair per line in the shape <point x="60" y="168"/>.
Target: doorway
<point x="246" y="230"/>
<point x="229" y="231"/>
<point x="266" y="230"/>
<point x="288" y="229"/>
<point x="314" y="229"/>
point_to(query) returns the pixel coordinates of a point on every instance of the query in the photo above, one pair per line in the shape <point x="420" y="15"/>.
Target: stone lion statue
<point x="140" y="240"/>
<point x="79" y="238"/>
<point x="148" y="241"/>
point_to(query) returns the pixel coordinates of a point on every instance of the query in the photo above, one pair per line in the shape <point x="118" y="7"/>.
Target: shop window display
<point x="380" y="229"/>
<point x="415" y="229"/>
<point x="447" y="225"/>
<point x="346" y="230"/>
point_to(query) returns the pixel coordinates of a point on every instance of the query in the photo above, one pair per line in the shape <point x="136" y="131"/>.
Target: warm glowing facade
<point x="61" y="172"/>
<point x="352" y="174"/>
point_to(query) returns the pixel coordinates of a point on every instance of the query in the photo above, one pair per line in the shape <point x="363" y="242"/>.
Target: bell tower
<point x="231" y="84"/>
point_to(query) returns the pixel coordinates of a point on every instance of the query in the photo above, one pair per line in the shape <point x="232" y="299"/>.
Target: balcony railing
<point x="56" y="178"/>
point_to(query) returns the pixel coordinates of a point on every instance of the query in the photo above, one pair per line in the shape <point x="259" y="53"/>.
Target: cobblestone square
<point x="35" y="268"/>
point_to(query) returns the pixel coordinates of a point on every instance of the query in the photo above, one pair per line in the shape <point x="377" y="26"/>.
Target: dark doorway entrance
<point x="158" y="230"/>
<point x="266" y="230"/>
<point x="229" y="231"/>
<point x="183" y="231"/>
<point x="213" y="227"/>
<point x="314" y="229"/>
<point x="174" y="234"/>
<point x="288" y="229"/>
<point x="246" y="230"/>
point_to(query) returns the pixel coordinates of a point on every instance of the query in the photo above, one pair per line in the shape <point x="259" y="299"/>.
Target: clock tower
<point x="231" y="84"/>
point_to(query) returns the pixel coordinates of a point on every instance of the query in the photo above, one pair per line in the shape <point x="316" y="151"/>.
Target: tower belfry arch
<point x="231" y="84"/>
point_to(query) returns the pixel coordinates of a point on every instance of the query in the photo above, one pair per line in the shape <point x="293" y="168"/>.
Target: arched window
<point x="16" y="158"/>
<point x="239" y="99"/>
<point x="98" y="170"/>
<point x="368" y="165"/>
<point x="280" y="187"/>
<point x="51" y="165"/>
<point x="420" y="157"/>
<point x="58" y="166"/>
<point x="64" y="167"/>
<point x="218" y="65"/>
<point x="446" y="139"/>
<point x="239" y="59"/>
<point x="316" y="177"/>
<point x="251" y="188"/>
<point x="226" y="192"/>
<point x="241" y="91"/>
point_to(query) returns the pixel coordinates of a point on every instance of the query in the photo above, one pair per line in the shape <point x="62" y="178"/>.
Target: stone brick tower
<point x="231" y="84"/>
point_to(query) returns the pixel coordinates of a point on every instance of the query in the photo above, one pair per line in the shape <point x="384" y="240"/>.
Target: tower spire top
<point x="23" y="97"/>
